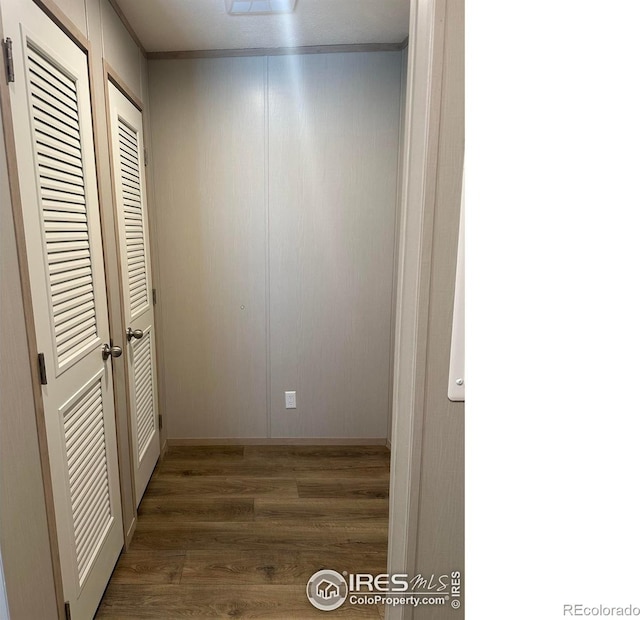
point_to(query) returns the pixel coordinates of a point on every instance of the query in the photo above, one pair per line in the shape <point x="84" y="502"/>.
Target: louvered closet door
<point x="127" y="154"/>
<point x="56" y="164"/>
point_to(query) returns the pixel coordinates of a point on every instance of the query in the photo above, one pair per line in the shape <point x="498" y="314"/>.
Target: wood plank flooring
<point x="236" y="532"/>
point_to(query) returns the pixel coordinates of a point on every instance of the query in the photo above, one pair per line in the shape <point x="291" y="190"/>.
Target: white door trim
<point x="422" y="127"/>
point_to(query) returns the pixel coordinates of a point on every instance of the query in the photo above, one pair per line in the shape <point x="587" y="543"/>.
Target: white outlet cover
<point x="290" y="400"/>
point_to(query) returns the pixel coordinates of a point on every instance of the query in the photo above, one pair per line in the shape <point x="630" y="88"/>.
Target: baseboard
<point x="275" y="441"/>
<point x="130" y="532"/>
<point x="164" y="448"/>
<point x="388" y="444"/>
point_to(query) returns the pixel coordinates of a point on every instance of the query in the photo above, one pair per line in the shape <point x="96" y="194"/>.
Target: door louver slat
<point x="143" y="386"/>
<point x="72" y="310"/>
<point x="84" y="434"/>
<point x="56" y="126"/>
<point x="42" y="81"/>
<point x="49" y="72"/>
<point x="49" y="154"/>
<point x="134" y="233"/>
<point x="53" y="161"/>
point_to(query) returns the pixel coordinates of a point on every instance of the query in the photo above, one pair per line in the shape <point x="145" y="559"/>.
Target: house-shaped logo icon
<point x="327" y="590"/>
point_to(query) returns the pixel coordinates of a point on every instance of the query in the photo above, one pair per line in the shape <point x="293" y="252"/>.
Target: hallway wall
<point x="440" y="542"/>
<point x="275" y="207"/>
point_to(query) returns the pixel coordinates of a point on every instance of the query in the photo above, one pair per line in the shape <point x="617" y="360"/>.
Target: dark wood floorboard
<point x="260" y="535"/>
<point x="149" y="567"/>
<point x="334" y="510"/>
<point x="274" y="567"/>
<point x="229" y="601"/>
<point x="184" y="509"/>
<point x="216" y="487"/>
<point x="336" y="487"/>
<point x="236" y="532"/>
<point x="226" y="453"/>
<point x="294" y="467"/>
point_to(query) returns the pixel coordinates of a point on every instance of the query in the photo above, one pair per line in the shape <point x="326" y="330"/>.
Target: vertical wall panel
<point x="208" y="139"/>
<point x="440" y="539"/>
<point x="75" y="10"/>
<point x="153" y="243"/>
<point x="396" y="252"/>
<point x="333" y="152"/>
<point x="321" y="250"/>
<point x="119" y="49"/>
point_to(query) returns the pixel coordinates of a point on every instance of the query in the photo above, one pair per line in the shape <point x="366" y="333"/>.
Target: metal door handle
<point x="133" y="333"/>
<point x="113" y="351"/>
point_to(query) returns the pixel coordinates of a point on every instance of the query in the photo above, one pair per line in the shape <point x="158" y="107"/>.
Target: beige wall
<point x="333" y="152"/>
<point x="98" y="21"/>
<point x="440" y="540"/>
<point x="209" y="170"/>
<point x="403" y="104"/>
<point x="275" y="184"/>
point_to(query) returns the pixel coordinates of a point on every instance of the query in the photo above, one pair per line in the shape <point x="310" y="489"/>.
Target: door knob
<point x="133" y="333"/>
<point x="113" y="351"/>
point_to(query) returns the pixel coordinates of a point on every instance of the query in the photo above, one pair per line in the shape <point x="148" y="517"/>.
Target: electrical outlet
<point x="290" y="400"/>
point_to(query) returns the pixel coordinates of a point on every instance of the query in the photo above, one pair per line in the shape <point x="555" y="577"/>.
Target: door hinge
<point x="7" y="47"/>
<point x="154" y="296"/>
<point x="67" y="610"/>
<point x="160" y="421"/>
<point x="42" y="369"/>
<point x="146" y="157"/>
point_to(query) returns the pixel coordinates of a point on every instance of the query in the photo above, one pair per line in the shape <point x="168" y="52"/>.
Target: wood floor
<point x="236" y="532"/>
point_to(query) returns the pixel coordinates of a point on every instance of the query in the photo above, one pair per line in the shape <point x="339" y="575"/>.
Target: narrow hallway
<point x="233" y="531"/>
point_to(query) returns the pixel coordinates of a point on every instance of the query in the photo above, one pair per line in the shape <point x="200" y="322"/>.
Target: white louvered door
<point x="127" y="151"/>
<point x="50" y="104"/>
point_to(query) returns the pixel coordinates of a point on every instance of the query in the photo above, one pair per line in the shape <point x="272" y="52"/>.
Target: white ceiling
<point x="171" y="25"/>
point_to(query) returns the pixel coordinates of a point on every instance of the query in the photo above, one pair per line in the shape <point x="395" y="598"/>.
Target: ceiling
<point x="175" y="25"/>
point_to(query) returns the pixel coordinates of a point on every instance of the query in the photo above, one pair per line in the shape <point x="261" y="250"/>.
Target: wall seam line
<point x="267" y="291"/>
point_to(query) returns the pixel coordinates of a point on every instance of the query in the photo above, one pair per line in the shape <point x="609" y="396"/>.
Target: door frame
<point x="415" y="417"/>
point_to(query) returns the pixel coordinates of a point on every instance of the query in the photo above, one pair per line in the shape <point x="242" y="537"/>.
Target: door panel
<point x="51" y="111"/>
<point x="58" y="150"/>
<point x="85" y="444"/>
<point x="144" y="392"/>
<point x="131" y="212"/>
<point x="127" y="150"/>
